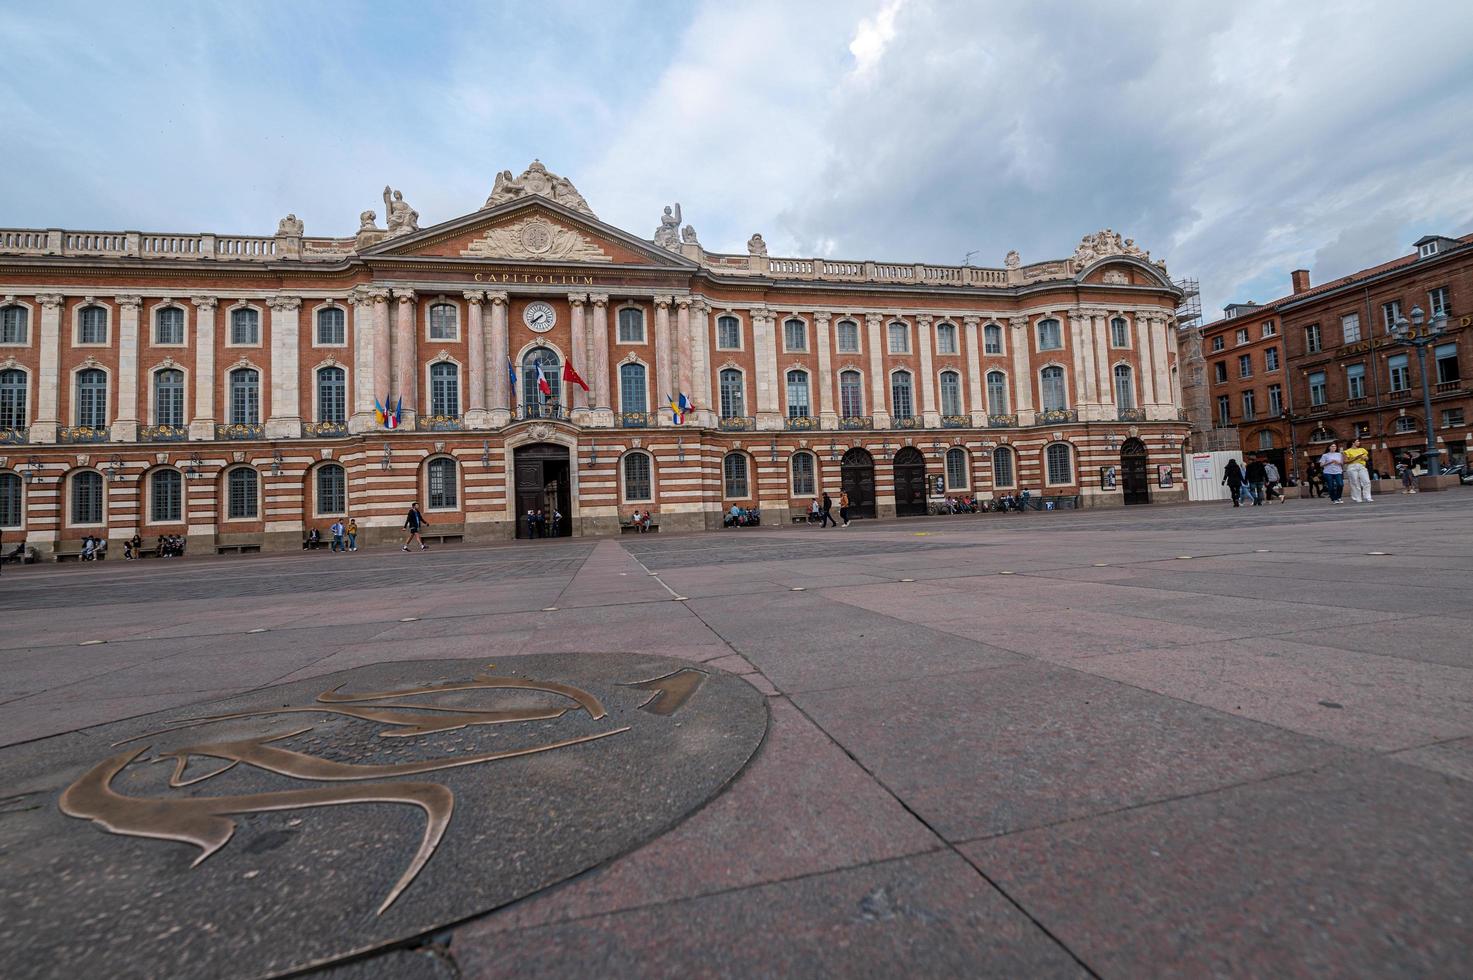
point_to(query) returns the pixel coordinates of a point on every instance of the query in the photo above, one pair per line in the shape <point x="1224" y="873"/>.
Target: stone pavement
<point x="1165" y="740"/>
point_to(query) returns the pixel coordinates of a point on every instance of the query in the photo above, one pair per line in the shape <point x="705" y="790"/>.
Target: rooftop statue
<point x="536" y="181"/>
<point x="290" y="225"/>
<point x="756" y="246"/>
<point x="688" y="235"/>
<point x="402" y="219"/>
<point x="668" y="234"/>
<point x="1103" y="244"/>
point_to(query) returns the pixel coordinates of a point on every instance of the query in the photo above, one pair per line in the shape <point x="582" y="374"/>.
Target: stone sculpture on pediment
<point x="535" y="238"/>
<point x="688" y="235"/>
<point x="536" y="181"/>
<point x="290" y="226"/>
<point x="756" y="246"/>
<point x="1013" y="259"/>
<point x="1103" y="244"/>
<point x="668" y="234"/>
<point x="401" y="218"/>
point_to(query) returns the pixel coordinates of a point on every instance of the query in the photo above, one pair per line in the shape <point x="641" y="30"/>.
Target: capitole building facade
<point x="229" y="388"/>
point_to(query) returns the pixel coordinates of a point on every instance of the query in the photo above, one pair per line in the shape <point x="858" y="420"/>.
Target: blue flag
<point x="511" y="371"/>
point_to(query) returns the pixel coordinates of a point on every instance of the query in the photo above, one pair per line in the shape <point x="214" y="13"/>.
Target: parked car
<point x="1463" y="471"/>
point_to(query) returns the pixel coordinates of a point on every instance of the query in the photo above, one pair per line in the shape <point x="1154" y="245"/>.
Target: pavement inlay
<point x="320" y="819"/>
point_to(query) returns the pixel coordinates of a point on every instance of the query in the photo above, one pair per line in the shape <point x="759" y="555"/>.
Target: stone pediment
<point x="535" y="237"/>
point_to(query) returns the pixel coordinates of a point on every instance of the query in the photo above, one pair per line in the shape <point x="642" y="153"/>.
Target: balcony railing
<point x="1053" y="416"/>
<point x="907" y="422"/>
<point x="636" y="420"/>
<point x="1358" y="402"/>
<point x="163" y="433"/>
<point x="1002" y="421"/>
<point x="737" y="423"/>
<point x="239" y="430"/>
<point x="550" y="411"/>
<point x="1445" y="387"/>
<point x="439" y="423"/>
<point x="800" y="423"/>
<point x="857" y="422"/>
<point x="325" y="429"/>
<point x="13" y="437"/>
<point x="1131" y="415"/>
<point x="82" y="433"/>
<point x="1404" y="395"/>
<point x="956" y="421"/>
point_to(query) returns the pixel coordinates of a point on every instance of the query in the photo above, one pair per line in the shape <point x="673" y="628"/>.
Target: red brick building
<point x="1245" y="365"/>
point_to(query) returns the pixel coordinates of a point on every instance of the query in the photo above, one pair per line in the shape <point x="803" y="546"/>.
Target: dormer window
<point x="1426" y="249"/>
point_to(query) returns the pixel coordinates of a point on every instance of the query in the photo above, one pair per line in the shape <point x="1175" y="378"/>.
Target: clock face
<point x="539" y="316"/>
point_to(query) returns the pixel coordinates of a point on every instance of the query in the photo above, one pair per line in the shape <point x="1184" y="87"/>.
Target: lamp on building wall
<point x="593" y="454"/>
<point x="680" y="448"/>
<point x="1112" y="441"/>
<point x="276" y="462"/>
<point x="388" y="459"/>
<point x="32" y="466"/>
<point x="486" y="452"/>
<point x="1412" y="334"/>
<point x="774" y="449"/>
<point x="114" y="466"/>
<point x="833" y="451"/>
<point x="193" y="470"/>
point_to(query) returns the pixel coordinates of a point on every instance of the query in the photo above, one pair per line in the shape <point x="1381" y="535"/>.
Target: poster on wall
<point x="1202" y="466"/>
<point x="1107" y="477"/>
<point x="1163" y="476"/>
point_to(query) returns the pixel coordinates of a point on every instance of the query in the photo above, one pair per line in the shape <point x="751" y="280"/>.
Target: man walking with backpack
<point x="412" y="523"/>
<point x="825" y="514"/>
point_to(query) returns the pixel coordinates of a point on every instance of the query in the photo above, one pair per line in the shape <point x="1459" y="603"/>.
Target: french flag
<point x="542" y="383"/>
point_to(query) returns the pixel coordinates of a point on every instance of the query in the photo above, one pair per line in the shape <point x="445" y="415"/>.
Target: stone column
<point x="500" y="404"/>
<point x="1147" y="360"/>
<point x="877" y="405"/>
<point x="825" y="388"/>
<point x="1160" y="371"/>
<point x="578" y="355"/>
<point x="475" y="415"/>
<point x="600" y="379"/>
<point x="974" y="372"/>
<point x="1100" y="328"/>
<point x="48" y="380"/>
<point x="663" y="355"/>
<point x="930" y="408"/>
<point x="764" y="347"/>
<point x="285" y="420"/>
<point x="202" y="425"/>
<point x="125" y="422"/>
<point x="1022" y="370"/>
<point x="683" y="346"/>
<point x="383" y="377"/>
<point x="701" y="364"/>
<point x="1084" y="395"/>
<point x="406" y="349"/>
<point x="361" y="418"/>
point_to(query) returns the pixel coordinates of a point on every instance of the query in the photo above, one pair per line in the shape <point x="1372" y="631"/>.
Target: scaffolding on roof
<point x="1189" y="310"/>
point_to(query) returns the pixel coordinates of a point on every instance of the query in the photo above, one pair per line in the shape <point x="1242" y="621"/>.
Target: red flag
<point x="572" y="376"/>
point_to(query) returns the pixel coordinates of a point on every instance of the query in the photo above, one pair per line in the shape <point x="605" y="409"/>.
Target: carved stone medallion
<point x="535" y="238"/>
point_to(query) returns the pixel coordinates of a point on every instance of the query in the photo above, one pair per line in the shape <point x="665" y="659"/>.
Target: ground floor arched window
<point x="734" y="474"/>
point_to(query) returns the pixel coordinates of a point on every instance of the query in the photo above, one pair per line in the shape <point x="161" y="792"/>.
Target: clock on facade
<point x="539" y="316"/>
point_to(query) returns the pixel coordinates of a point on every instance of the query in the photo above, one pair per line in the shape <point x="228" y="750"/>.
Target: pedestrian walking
<point x="1274" y="488"/>
<point x="1404" y="465"/>
<point x="826" y="512"/>
<point x="1232" y="478"/>
<point x="1315" y="477"/>
<point x="1257" y="478"/>
<point x="338" y="530"/>
<point x="352" y="534"/>
<point x="413" y="521"/>
<point x="1356" y="477"/>
<point x="844" y="506"/>
<point x="1332" y="464"/>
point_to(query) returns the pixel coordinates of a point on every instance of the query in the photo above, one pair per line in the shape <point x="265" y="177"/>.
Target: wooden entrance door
<point x="910" y="483"/>
<point x="542" y="473"/>
<point x="858" y="480"/>
<point x="1135" y="480"/>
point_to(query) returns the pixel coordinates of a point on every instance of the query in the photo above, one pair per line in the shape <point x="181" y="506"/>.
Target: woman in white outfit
<point x="1357" y="477"/>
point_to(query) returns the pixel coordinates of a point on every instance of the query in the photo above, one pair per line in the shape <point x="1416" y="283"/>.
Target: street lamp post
<point x="1411" y="334"/>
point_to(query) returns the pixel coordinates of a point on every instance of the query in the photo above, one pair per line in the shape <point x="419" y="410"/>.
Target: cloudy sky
<point x="1239" y="141"/>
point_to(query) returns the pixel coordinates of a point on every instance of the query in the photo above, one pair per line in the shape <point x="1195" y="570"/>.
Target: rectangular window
<point x="1399" y="372"/>
<point x="1219" y="371"/>
<point x="1245" y="365"/>
<point x="169" y="326"/>
<point x="798" y="395"/>
<point x="1248" y="406"/>
<point x="1119" y="332"/>
<point x="631" y="326"/>
<point x="1271" y="359"/>
<point x="164" y="507"/>
<point x="1275" y="400"/>
<point x="1437" y="301"/>
<point x="729" y="333"/>
<point x="1390" y="313"/>
<point x="1312" y="338"/>
<point x="1269" y="329"/>
<point x="899" y="338"/>
<point x="443" y="324"/>
<point x="1224" y="411"/>
<point x="992" y="339"/>
<point x="1050" y="335"/>
<point x="900" y="399"/>
<point x="1217" y="343"/>
<point x="848" y="337"/>
<point x="1242" y="335"/>
<point x="1350" y="327"/>
<point x="795" y="335"/>
<point x="1447" y="363"/>
<point x="1317" y="388"/>
<point x="1355" y="381"/>
<point x="245" y="327"/>
<point x="946" y="338"/>
<point x="332" y="325"/>
<point x="1452" y="417"/>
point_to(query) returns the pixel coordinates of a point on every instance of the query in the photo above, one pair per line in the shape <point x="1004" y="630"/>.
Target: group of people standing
<point x="1261" y="478"/>
<point x="1349" y="468"/>
<point x="541" y="525"/>
<point x="823" y="510"/>
<point x="1329" y="475"/>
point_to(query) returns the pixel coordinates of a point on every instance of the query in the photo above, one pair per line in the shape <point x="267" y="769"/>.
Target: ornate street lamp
<point x="1412" y="334"/>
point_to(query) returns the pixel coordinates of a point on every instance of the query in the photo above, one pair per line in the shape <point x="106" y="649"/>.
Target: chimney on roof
<point x="1300" y="278"/>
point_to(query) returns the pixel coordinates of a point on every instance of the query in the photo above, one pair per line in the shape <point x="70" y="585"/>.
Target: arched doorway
<point x="1134" y="479"/>
<point x="910" y="483"/>
<point x="858" y="480"/>
<point x="543" y="482"/>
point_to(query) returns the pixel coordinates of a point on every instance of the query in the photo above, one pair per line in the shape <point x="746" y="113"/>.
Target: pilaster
<point x="874" y="325"/>
<point x="930" y="409"/>
<point x="604" y="412"/>
<point x="1021" y="345"/>
<point x="1145" y="342"/>
<point x="499" y="408"/>
<point x="285" y="420"/>
<point x="476" y="416"/>
<point x="663" y="355"/>
<point x="683" y="346"/>
<point x="406" y="349"/>
<point x="383" y="377"/>
<point x="48" y="381"/>
<point x="579" y="355"/>
<point x="202" y="424"/>
<point x="974" y="372"/>
<point x="361" y="418"/>
<point x="701" y="364"/>
<point x="764" y="347"/>
<point x="825" y="392"/>
<point x="125" y="422"/>
<point x="1100" y="329"/>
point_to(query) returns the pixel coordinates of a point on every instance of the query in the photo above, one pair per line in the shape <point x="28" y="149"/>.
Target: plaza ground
<point x="1162" y="740"/>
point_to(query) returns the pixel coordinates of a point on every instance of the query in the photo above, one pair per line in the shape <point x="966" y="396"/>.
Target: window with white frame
<point x="245" y="396"/>
<point x="1059" y="458"/>
<point x="242" y="494"/>
<point x="734" y="475"/>
<point x="1050" y="335"/>
<point x="902" y="405"/>
<point x="1437" y="302"/>
<point x="332" y="326"/>
<point x="1002" y="467"/>
<point x="848" y="333"/>
<point x="10" y="500"/>
<point x="1269" y="329"/>
<point x="951" y="393"/>
<point x="1275" y="400"/>
<point x="798" y="405"/>
<point x="445" y="389"/>
<point x="14" y="324"/>
<point x="443" y="322"/>
<point x="1426" y="249"/>
<point x="795" y="335"/>
<point x="1124" y="387"/>
<point x="168" y="397"/>
<point x="1250" y="409"/>
<point x="1355" y="381"/>
<point x="992" y="339"/>
<point x="92" y="325"/>
<point x="1317" y="389"/>
<point x="1406" y="423"/>
<point x="87" y="497"/>
<point x="899" y="338"/>
<point x="245" y="327"/>
<point x="631" y="325"/>
<point x="165" y="496"/>
<point x="1271" y="359"/>
<point x="443" y="490"/>
<point x="729" y="333"/>
<point x="1119" y="332"/>
<point x="1350" y="327"/>
<point x="1219" y="372"/>
<point x="168" y="325"/>
<point x="946" y="338"/>
<point x="638" y="479"/>
<point x="997" y="393"/>
<point x="92" y="398"/>
<point x="1265" y="439"/>
<point x="1217" y="343"/>
<point x="633" y="389"/>
<point x="1452" y="418"/>
<point x="1242" y="335"/>
<point x="14" y="387"/>
<point x="332" y="394"/>
<point x="1224" y="411"/>
<point x="551" y="370"/>
<point x="1051" y="385"/>
<point x="733" y="399"/>
<point x="332" y="489"/>
<point x="1312" y="343"/>
<point x="1446" y="356"/>
<point x="1390" y="313"/>
<point x="803" y="481"/>
<point x="851" y="394"/>
<point x="1245" y="365"/>
<point x="957" y="469"/>
<point x="1399" y="372"/>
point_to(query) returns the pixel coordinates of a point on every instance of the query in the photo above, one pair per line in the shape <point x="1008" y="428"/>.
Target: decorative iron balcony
<point x="1002" y="421"/>
<point x="1053" y="416"/>
<point x="1131" y="415"/>
<point x="908" y="422"/>
<point x="13" y="437"/>
<point x="549" y="411"/>
<point x="82" y="433"/>
<point x="325" y="429"/>
<point x="636" y="420"/>
<point x="801" y="423"/>
<point x="857" y="422"/>
<point x="163" y="433"/>
<point x="956" y="421"/>
<point x="737" y="423"/>
<point x="439" y="423"/>
<point x="239" y="430"/>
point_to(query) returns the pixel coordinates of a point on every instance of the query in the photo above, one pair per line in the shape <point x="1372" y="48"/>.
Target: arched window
<point x="168" y="325"/>
<point x="1059" y="460"/>
<point x="1002" y="467"/>
<point x="332" y="489"/>
<point x="901" y="403"/>
<point x="851" y="394"/>
<point x="443" y="325"/>
<point x="798" y="405"/>
<point x="443" y="491"/>
<point x="165" y="496"/>
<point x="803" y="470"/>
<point x="946" y="338"/>
<point x="92" y="398"/>
<point x="795" y="335"/>
<point x="992" y="339"/>
<point x="728" y="333"/>
<point x="957" y="469"/>
<point x="14" y="325"/>
<point x="87" y="497"/>
<point x="242" y="494"/>
<point x="10" y="500"/>
<point x="92" y="325"/>
<point x="997" y="393"/>
<point x="631" y="325"/>
<point x="1119" y="332"/>
<point x="332" y="394"/>
<point x="1050" y="335"/>
<point x="1265" y="439"/>
<point x="1406" y="423"/>
<point x="848" y="337"/>
<point x="445" y="389"/>
<point x="633" y="389"/>
<point x="638" y="483"/>
<point x="951" y="393"/>
<point x="899" y="338"/>
<point x="245" y="396"/>
<point x="733" y="400"/>
<point x="13" y="389"/>
<point x="1124" y="387"/>
<point x="532" y="397"/>
<point x="332" y="326"/>
<point x="734" y="471"/>
<point x="1051" y="383"/>
<point x="245" y="326"/>
<point x="168" y="397"/>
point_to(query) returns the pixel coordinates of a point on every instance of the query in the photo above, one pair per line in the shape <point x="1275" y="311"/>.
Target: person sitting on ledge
<point x="313" y="539"/>
<point x="88" y="546"/>
<point x="17" y="555"/>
